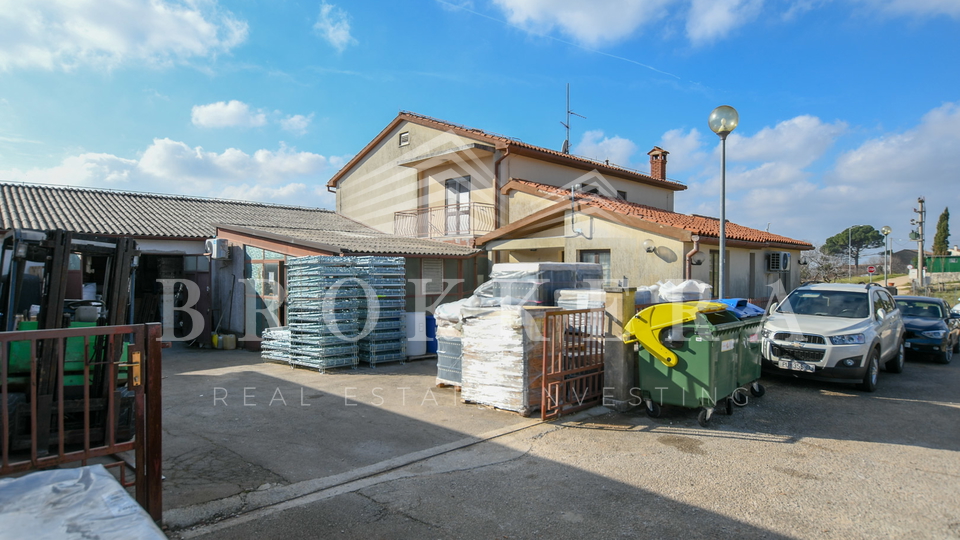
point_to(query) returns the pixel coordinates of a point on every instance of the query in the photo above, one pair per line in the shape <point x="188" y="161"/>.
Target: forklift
<point x="59" y="279"/>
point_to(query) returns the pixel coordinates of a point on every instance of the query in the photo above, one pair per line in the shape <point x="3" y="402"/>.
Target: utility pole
<point x="919" y="222"/>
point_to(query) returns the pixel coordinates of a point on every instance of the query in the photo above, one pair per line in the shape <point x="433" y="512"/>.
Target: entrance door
<point x="458" y="206"/>
<point x="272" y="292"/>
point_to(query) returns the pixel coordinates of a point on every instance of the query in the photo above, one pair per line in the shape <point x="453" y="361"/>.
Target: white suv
<point x="835" y="332"/>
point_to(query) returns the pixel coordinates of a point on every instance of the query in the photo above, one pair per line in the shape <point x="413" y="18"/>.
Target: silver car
<point x="835" y="332"/>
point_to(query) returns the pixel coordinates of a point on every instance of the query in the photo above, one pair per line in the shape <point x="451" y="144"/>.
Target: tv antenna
<point x="566" y="141"/>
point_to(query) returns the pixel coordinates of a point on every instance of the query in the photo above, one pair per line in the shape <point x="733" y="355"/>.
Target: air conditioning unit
<point x="778" y="261"/>
<point x="218" y="248"/>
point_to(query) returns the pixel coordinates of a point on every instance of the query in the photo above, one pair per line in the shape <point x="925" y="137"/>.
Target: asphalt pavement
<point x="807" y="460"/>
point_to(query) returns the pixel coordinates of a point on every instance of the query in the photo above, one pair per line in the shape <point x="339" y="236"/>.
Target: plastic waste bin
<point x="742" y="308"/>
<point x="748" y="361"/>
<point x="689" y="356"/>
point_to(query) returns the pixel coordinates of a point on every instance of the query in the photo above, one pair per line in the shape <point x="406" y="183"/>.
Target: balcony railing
<point x="452" y="220"/>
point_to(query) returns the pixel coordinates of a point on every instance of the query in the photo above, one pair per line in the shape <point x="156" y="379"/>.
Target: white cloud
<point x="770" y="176"/>
<point x="590" y="23"/>
<point x="284" y="175"/>
<point x="53" y="34"/>
<point x="923" y="158"/>
<point x="710" y="20"/>
<point x="615" y="149"/>
<point x="333" y="25"/>
<point x="297" y="123"/>
<point x="798" y="141"/>
<point x="686" y="150"/>
<point x="226" y="114"/>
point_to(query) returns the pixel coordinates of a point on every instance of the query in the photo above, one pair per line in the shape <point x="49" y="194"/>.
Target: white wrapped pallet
<point x="503" y="357"/>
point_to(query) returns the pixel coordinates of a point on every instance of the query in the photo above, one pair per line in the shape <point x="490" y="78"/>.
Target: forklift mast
<point x="52" y="249"/>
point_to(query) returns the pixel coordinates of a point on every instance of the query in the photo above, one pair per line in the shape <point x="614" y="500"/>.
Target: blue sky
<point x="849" y="109"/>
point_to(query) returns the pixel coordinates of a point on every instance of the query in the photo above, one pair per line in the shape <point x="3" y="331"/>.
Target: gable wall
<point x="377" y="187"/>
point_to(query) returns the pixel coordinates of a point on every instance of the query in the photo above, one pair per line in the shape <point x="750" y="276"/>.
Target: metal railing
<point x="466" y="219"/>
<point x="95" y="398"/>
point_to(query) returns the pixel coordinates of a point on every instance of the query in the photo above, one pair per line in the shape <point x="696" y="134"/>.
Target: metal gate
<point x="95" y="397"/>
<point x="572" y="361"/>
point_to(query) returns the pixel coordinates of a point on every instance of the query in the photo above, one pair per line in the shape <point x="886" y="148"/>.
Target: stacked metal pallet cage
<point x="275" y="346"/>
<point x="323" y="298"/>
<point x="382" y="309"/>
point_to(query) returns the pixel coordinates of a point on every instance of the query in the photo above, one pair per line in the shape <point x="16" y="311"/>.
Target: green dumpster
<point x="690" y="356"/>
<point x="748" y="361"/>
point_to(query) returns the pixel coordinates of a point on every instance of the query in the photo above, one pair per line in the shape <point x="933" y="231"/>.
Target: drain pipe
<point x="688" y="267"/>
<point x="497" y="186"/>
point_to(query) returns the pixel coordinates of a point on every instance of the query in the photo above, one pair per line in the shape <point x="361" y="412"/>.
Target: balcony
<point x="445" y="222"/>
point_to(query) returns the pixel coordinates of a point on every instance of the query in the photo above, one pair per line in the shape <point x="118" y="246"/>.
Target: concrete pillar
<point x="619" y="360"/>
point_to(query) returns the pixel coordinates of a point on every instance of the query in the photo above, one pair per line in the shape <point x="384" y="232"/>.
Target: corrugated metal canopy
<point x="97" y="211"/>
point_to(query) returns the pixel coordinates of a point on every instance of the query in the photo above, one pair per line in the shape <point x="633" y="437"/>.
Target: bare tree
<point x="821" y="266"/>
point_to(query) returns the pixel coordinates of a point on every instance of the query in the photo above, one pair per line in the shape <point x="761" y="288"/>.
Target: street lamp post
<point x="886" y="230"/>
<point x="722" y="121"/>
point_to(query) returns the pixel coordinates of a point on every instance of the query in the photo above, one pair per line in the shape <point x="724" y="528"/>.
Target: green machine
<point x="41" y="284"/>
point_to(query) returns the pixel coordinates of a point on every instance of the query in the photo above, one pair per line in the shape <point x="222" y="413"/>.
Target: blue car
<point x="932" y="329"/>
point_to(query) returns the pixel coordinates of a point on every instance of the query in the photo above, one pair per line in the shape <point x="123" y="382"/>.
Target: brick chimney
<point x="658" y="163"/>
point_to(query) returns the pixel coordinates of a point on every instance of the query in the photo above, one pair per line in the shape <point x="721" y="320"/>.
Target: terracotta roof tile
<point x="696" y="224"/>
<point x="509" y="141"/>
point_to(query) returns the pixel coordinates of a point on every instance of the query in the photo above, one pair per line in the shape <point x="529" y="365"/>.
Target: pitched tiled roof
<point x="96" y="211"/>
<point x="695" y="224"/>
<point x="502" y="141"/>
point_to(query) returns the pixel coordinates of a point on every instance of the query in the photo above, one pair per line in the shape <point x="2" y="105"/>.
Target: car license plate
<point x="795" y="366"/>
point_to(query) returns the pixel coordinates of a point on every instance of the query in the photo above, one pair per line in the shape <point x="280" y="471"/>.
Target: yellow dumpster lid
<point x="645" y="326"/>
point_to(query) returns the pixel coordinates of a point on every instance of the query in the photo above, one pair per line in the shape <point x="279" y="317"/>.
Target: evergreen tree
<point x="851" y="242"/>
<point x="940" y="245"/>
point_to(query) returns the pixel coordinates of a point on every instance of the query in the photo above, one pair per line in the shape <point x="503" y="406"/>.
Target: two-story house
<point x="423" y="177"/>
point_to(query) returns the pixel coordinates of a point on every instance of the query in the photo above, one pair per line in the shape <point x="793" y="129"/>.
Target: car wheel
<point x="869" y="383"/>
<point x="895" y="364"/>
<point x="946" y="356"/>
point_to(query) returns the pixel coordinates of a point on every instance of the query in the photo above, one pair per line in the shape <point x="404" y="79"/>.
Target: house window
<point x="405" y="138"/>
<point x="599" y="256"/>
<point x="432" y="270"/>
<point x="622" y="195"/>
<point x="457" y="213"/>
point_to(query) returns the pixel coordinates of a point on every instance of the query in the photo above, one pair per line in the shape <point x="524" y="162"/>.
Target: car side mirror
<point x="954" y="315"/>
<point x="773" y="307"/>
<point x="881" y="314"/>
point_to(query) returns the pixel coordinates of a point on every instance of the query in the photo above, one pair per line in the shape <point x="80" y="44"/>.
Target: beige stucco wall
<point x="521" y="205"/>
<point x="480" y="172"/>
<point x="377" y="186"/>
<point x="739" y="274"/>
<point x="628" y="258"/>
<point x="553" y="174"/>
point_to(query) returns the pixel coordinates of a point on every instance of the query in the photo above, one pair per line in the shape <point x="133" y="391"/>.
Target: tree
<point x="821" y="267"/>
<point x="852" y="241"/>
<point x="940" y="245"/>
